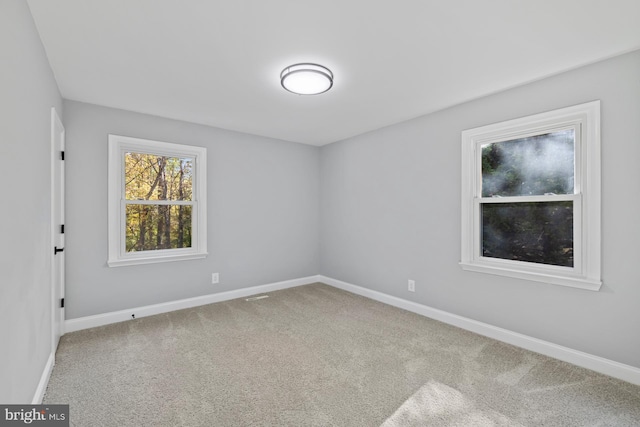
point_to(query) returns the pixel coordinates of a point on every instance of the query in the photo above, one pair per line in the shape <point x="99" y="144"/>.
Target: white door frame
<point x="57" y="232"/>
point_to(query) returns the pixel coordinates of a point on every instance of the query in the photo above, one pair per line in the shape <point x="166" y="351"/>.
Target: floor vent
<point x="257" y="298"/>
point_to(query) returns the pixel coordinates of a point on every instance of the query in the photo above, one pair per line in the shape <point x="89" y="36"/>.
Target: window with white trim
<point x="157" y="201"/>
<point x="531" y="197"/>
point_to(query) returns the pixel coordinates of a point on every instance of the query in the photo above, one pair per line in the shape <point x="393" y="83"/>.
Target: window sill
<point x="571" y="281"/>
<point x="155" y="259"/>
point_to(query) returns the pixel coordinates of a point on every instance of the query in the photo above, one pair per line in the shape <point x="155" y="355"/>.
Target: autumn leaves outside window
<point x="157" y="201"/>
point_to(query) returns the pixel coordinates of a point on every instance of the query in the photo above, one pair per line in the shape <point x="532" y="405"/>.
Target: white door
<point x="57" y="226"/>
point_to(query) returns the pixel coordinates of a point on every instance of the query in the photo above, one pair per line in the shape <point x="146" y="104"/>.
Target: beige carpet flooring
<point x="318" y="356"/>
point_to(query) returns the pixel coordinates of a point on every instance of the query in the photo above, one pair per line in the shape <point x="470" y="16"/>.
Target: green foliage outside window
<point x="540" y="232"/>
<point x="530" y="232"/>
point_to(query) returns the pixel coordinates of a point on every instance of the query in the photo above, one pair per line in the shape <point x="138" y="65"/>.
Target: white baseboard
<point x="87" y="322"/>
<point x="595" y="363"/>
<point x="44" y="380"/>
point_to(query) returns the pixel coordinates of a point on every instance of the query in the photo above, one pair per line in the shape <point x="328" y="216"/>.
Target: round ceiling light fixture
<point x="306" y="79"/>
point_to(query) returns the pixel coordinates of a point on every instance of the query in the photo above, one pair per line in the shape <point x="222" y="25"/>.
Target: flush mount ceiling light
<point x="306" y="79"/>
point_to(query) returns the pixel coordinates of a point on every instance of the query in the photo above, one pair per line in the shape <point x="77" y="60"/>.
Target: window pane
<point x="536" y="165"/>
<point x="152" y="227"/>
<point x="531" y="232"/>
<point x="151" y="177"/>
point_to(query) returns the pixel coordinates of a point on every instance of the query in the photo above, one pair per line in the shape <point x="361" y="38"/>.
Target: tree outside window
<point x="157" y="201"/>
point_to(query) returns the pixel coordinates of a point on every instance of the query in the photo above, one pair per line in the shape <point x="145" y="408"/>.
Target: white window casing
<point x="584" y="119"/>
<point x="117" y="254"/>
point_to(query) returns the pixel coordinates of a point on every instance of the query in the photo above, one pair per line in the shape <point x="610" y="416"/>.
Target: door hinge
<point x="61" y="228"/>
<point x="62" y="303"/>
<point x="62" y="155"/>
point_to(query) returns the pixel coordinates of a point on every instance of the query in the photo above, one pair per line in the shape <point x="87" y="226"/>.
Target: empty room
<point x="291" y="213"/>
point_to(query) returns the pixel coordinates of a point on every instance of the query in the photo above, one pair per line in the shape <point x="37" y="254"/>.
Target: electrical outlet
<point x="215" y="278"/>
<point x="412" y="285"/>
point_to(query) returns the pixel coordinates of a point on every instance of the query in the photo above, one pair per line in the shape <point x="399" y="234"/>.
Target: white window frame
<point x="585" y="274"/>
<point x="118" y="256"/>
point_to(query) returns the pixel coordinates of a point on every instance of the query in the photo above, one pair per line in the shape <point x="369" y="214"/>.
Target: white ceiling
<point x="217" y="62"/>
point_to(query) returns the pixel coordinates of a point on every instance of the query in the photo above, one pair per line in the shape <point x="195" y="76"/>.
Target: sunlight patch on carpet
<point x="438" y="404"/>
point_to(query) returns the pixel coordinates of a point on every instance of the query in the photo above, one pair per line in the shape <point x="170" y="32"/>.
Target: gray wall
<point x="27" y="93"/>
<point x="262" y="213"/>
<point x="390" y="211"/>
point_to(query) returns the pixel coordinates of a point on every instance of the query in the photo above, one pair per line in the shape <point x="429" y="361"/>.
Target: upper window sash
<point x="574" y="127"/>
